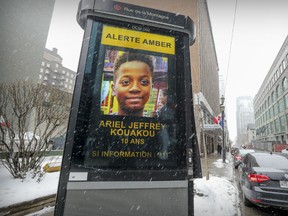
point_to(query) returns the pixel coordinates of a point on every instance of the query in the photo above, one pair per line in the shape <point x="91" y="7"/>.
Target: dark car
<point x="239" y="154"/>
<point x="263" y="179"/>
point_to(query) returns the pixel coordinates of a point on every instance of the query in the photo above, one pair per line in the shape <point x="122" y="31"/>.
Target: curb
<point x="27" y="207"/>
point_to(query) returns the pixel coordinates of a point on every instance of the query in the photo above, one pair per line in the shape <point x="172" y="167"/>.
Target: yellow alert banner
<point x="137" y="40"/>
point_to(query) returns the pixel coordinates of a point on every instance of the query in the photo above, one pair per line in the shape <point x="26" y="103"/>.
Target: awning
<point x="210" y="127"/>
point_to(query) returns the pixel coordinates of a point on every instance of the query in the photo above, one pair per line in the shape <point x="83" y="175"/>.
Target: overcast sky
<point x="260" y="29"/>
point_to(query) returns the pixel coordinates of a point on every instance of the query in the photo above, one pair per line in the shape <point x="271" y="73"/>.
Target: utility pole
<point x="222" y="108"/>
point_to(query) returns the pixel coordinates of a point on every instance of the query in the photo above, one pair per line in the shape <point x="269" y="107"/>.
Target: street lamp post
<point x="222" y="108"/>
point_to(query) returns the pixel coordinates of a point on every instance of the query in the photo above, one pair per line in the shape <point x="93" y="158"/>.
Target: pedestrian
<point x="219" y="149"/>
<point x="166" y="114"/>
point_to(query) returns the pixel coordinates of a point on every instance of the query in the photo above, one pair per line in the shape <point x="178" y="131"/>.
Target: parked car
<point x="263" y="178"/>
<point x="233" y="149"/>
<point x="58" y="142"/>
<point x="239" y="154"/>
<point x="285" y="151"/>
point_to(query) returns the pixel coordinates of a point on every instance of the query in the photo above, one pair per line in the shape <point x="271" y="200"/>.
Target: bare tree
<point x="31" y="115"/>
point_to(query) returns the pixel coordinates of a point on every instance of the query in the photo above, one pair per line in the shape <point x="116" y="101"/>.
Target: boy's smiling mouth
<point x="134" y="99"/>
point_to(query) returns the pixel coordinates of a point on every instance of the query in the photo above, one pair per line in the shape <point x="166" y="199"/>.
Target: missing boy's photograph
<point x="132" y="83"/>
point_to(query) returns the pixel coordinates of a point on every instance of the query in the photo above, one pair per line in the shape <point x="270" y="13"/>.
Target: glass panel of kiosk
<point x="130" y="128"/>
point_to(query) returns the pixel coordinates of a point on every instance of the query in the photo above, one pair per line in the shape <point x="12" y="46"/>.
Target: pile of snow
<point x="15" y="191"/>
<point x="216" y="196"/>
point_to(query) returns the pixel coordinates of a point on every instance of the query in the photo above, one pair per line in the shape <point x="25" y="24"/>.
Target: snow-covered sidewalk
<point x="14" y="191"/>
<point x="216" y="196"/>
<point x="219" y="194"/>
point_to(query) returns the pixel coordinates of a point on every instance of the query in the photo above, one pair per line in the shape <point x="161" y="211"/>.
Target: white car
<point x="285" y="151"/>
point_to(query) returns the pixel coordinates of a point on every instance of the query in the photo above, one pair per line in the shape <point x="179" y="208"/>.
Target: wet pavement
<point x="216" y="167"/>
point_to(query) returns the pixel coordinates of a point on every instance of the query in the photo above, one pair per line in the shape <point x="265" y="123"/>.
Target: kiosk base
<point x="127" y="198"/>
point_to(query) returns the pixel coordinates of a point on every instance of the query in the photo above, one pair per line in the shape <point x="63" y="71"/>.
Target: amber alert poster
<point x="132" y="128"/>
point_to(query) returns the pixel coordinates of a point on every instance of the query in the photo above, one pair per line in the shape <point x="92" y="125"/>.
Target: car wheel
<point x="246" y="201"/>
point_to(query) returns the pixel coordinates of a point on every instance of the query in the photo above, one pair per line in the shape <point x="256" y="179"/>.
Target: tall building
<point x="244" y="117"/>
<point x="204" y="65"/>
<point x="271" y="103"/>
<point x="24" y="29"/>
<point x="53" y="73"/>
<point x="251" y="136"/>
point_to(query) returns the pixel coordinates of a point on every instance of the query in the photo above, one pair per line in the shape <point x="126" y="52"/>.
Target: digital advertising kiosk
<point x="131" y="146"/>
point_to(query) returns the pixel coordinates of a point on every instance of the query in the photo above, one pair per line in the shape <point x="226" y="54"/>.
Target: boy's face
<point x="132" y="86"/>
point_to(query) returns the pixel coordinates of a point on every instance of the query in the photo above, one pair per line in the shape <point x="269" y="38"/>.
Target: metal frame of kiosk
<point x="124" y="164"/>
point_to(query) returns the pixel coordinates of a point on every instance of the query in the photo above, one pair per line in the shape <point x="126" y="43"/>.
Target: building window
<point x="271" y="112"/>
<point x="48" y="65"/>
<point x="40" y="76"/>
<point x="279" y="91"/>
<point x="273" y="96"/>
<point x="63" y="72"/>
<point x="281" y="105"/>
<point x="278" y="74"/>
<point x="283" y="123"/>
<point x="285" y="83"/>
<point x="275" y="109"/>
<point x="56" y="65"/>
<point x="272" y="127"/>
<point x="277" y="125"/>
<point x="286" y="101"/>
<point x="41" y="70"/>
<point x="284" y="64"/>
